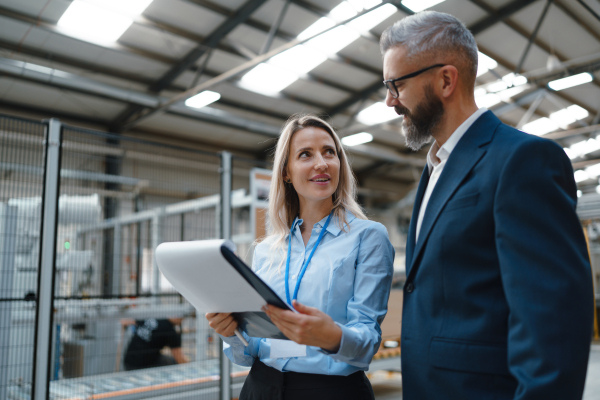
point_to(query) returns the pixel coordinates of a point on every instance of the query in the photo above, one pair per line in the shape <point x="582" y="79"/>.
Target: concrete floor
<point x="391" y="388"/>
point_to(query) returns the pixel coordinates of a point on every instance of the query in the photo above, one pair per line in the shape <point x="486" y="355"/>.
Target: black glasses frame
<point x="390" y="84"/>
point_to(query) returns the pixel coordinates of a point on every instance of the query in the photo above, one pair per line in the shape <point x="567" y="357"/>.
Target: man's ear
<point x="449" y="80"/>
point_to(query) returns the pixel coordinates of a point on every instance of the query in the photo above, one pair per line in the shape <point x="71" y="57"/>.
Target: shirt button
<point x="409" y="287"/>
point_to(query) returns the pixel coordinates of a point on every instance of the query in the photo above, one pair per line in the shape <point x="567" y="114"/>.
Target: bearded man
<point x="498" y="295"/>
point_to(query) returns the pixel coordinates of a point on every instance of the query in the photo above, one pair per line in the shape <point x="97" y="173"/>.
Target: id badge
<point x="286" y="349"/>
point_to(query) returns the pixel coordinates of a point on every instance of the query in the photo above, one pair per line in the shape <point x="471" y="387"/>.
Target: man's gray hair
<point x="431" y="33"/>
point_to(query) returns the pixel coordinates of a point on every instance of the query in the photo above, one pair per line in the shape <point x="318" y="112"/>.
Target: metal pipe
<point x="532" y="37"/>
<point x="225" y="223"/>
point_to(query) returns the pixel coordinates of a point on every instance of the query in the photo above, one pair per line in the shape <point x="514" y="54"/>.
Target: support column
<point x="45" y="293"/>
<point x="225" y="224"/>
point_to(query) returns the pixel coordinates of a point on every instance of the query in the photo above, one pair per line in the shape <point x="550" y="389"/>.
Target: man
<point x="151" y="335"/>
<point x="498" y="295"/>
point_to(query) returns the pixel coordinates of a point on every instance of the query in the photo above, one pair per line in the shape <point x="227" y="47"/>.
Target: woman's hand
<point x="311" y="326"/>
<point x="222" y="323"/>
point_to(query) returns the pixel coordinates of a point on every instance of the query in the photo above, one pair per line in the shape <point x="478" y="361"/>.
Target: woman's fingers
<point x="220" y="322"/>
<point x="229" y="329"/>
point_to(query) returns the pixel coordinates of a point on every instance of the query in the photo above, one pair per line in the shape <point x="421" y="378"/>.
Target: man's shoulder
<point x="509" y="140"/>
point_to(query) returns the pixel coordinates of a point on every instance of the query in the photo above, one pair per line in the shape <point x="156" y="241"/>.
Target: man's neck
<point x="454" y="116"/>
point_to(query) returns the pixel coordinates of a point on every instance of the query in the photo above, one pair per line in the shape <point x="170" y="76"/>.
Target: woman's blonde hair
<point x="284" y="204"/>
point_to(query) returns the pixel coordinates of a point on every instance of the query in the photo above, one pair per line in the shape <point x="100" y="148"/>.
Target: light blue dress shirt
<point x="348" y="278"/>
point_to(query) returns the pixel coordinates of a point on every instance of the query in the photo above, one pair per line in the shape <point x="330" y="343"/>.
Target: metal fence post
<point x="225" y="224"/>
<point x="45" y="293"/>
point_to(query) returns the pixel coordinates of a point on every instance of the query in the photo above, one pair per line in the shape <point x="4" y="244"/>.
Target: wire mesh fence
<point x="118" y="328"/>
<point x="22" y="155"/>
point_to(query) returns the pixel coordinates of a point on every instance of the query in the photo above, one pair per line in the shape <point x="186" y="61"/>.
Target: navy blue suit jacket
<point x="498" y="296"/>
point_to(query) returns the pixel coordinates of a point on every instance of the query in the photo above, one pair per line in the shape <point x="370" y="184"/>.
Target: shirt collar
<point x="444" y="152"/>
<point x="334" y="225"/>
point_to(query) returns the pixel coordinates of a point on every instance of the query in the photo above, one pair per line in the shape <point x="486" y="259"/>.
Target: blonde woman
<point x="327" y="260"/>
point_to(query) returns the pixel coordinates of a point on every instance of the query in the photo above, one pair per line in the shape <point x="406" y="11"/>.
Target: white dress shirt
<point x="442" y="153"/>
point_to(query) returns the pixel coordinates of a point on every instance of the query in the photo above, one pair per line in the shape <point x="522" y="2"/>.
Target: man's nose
<point x="389" y="100"/>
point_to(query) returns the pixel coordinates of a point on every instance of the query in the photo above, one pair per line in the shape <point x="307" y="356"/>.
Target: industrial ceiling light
<point x="568" y="115"/>
<point x="100" y="21"/>
<point x="356" y="139"/>
<point x="581" y="148"/>
<point x="485" y="63"/>
<point x="202" y="99"/>
<point x="420" y="5"/>
<point x="487" y="100"/>
<point x="267" y="79"/>
<point x="540" y="126"/>
<point x="376" y="114"/>
<point x="300" y="59"/>
<point x="570" y="81"/>
<point x="581" y="175"/>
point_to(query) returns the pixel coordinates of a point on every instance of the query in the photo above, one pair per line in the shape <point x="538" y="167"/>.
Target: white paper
<point x="286" y="349"/>
<point x="198" y="271"/>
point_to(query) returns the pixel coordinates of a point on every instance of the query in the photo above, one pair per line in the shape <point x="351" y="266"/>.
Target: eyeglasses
<point x="391" y="83"/>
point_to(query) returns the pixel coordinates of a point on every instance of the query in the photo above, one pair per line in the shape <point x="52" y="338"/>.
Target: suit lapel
<point x="412" y="229"/>
<point x="467" y="153"/>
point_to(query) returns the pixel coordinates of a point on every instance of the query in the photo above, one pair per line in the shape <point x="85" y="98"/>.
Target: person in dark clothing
<point x="151" y="336"/>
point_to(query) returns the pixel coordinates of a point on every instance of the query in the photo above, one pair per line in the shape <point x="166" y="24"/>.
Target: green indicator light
<point x="67" y="245"/>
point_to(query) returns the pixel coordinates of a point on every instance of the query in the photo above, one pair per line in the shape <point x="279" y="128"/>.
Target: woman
<point x="327" y="260"/>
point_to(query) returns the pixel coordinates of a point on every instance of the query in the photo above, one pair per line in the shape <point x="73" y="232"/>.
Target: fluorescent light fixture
<point x="579" y="193"/>
<point x="580" y="176"/>
<point x="299" y="59"/>
<point x="485" y="63"/>
<point x="571" y="81"/>
<point x="100" y="21"/>
<point x="488" y="100"/>
<point x="505" y="95"/>
<point x="514" y="80"/>
<point x="568" y="115"/>
<point x="322" y="24"/>
<point x="202" y="99"/>
<point x="540" y="126"/>
<point x="497" y="86"/>
<point x="334" y="40"/>
<point x="480" y="92"/>
<point x="593" y="171"/>
<point x="584" y="147"/>
<point x="373" y="18"/>
<point x="358" y="138"/>
<point x="420" y="5"/>
<point x="267" y="79"/>
<point x="376" y="114"/>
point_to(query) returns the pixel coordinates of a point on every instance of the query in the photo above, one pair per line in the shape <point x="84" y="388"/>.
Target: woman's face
<point x="313" y="164"/>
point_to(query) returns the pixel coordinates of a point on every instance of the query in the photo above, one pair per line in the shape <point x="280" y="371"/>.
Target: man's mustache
<point x="402" y="111"/>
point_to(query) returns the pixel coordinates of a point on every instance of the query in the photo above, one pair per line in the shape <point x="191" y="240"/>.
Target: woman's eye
<point x="304" y="154"/>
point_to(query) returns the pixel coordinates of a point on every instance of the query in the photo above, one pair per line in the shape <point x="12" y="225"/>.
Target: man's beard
<point x="418" y="126"/>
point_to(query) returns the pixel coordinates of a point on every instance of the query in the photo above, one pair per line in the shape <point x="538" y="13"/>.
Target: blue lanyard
<point x="303" y="270"/>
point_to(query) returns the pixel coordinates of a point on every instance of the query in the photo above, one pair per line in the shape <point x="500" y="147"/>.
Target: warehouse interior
<point x="156" y="121"/>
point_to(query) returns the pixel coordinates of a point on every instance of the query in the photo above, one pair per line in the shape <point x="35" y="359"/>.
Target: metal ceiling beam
<point x="533" y="37"/>
<point x="211" y="41"/>
<point x="72" y="82"/>
<point x="498" y="15"/>
<point x="563" y="7"/>
<point x="192" y="56"/>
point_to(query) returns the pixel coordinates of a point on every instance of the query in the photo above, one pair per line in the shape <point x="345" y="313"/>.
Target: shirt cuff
<point x="349" y="351"/>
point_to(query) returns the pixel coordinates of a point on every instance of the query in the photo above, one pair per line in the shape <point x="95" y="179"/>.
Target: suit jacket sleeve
<point x="545" y="272"/>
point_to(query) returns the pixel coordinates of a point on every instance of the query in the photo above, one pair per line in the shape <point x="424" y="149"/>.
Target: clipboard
<point x="214" y="279"/>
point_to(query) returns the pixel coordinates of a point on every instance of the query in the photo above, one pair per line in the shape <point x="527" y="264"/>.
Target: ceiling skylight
<point x="376" y="114"/>
<point x="540" y="126"/>
<point x="202" y="99"/>
<point x="100" y="21"/>
<point x="358" y="138"/>
<point x="304" y="58"/>
<point x="571" y="81"/>
<point x="485" y="63"/>
<point x="593" y="171"/>
<point x="267" y="79"/>
<point x="420" y="5"/>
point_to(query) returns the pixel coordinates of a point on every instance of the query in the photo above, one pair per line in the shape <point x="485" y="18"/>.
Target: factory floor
<point x="388" y="386"/>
